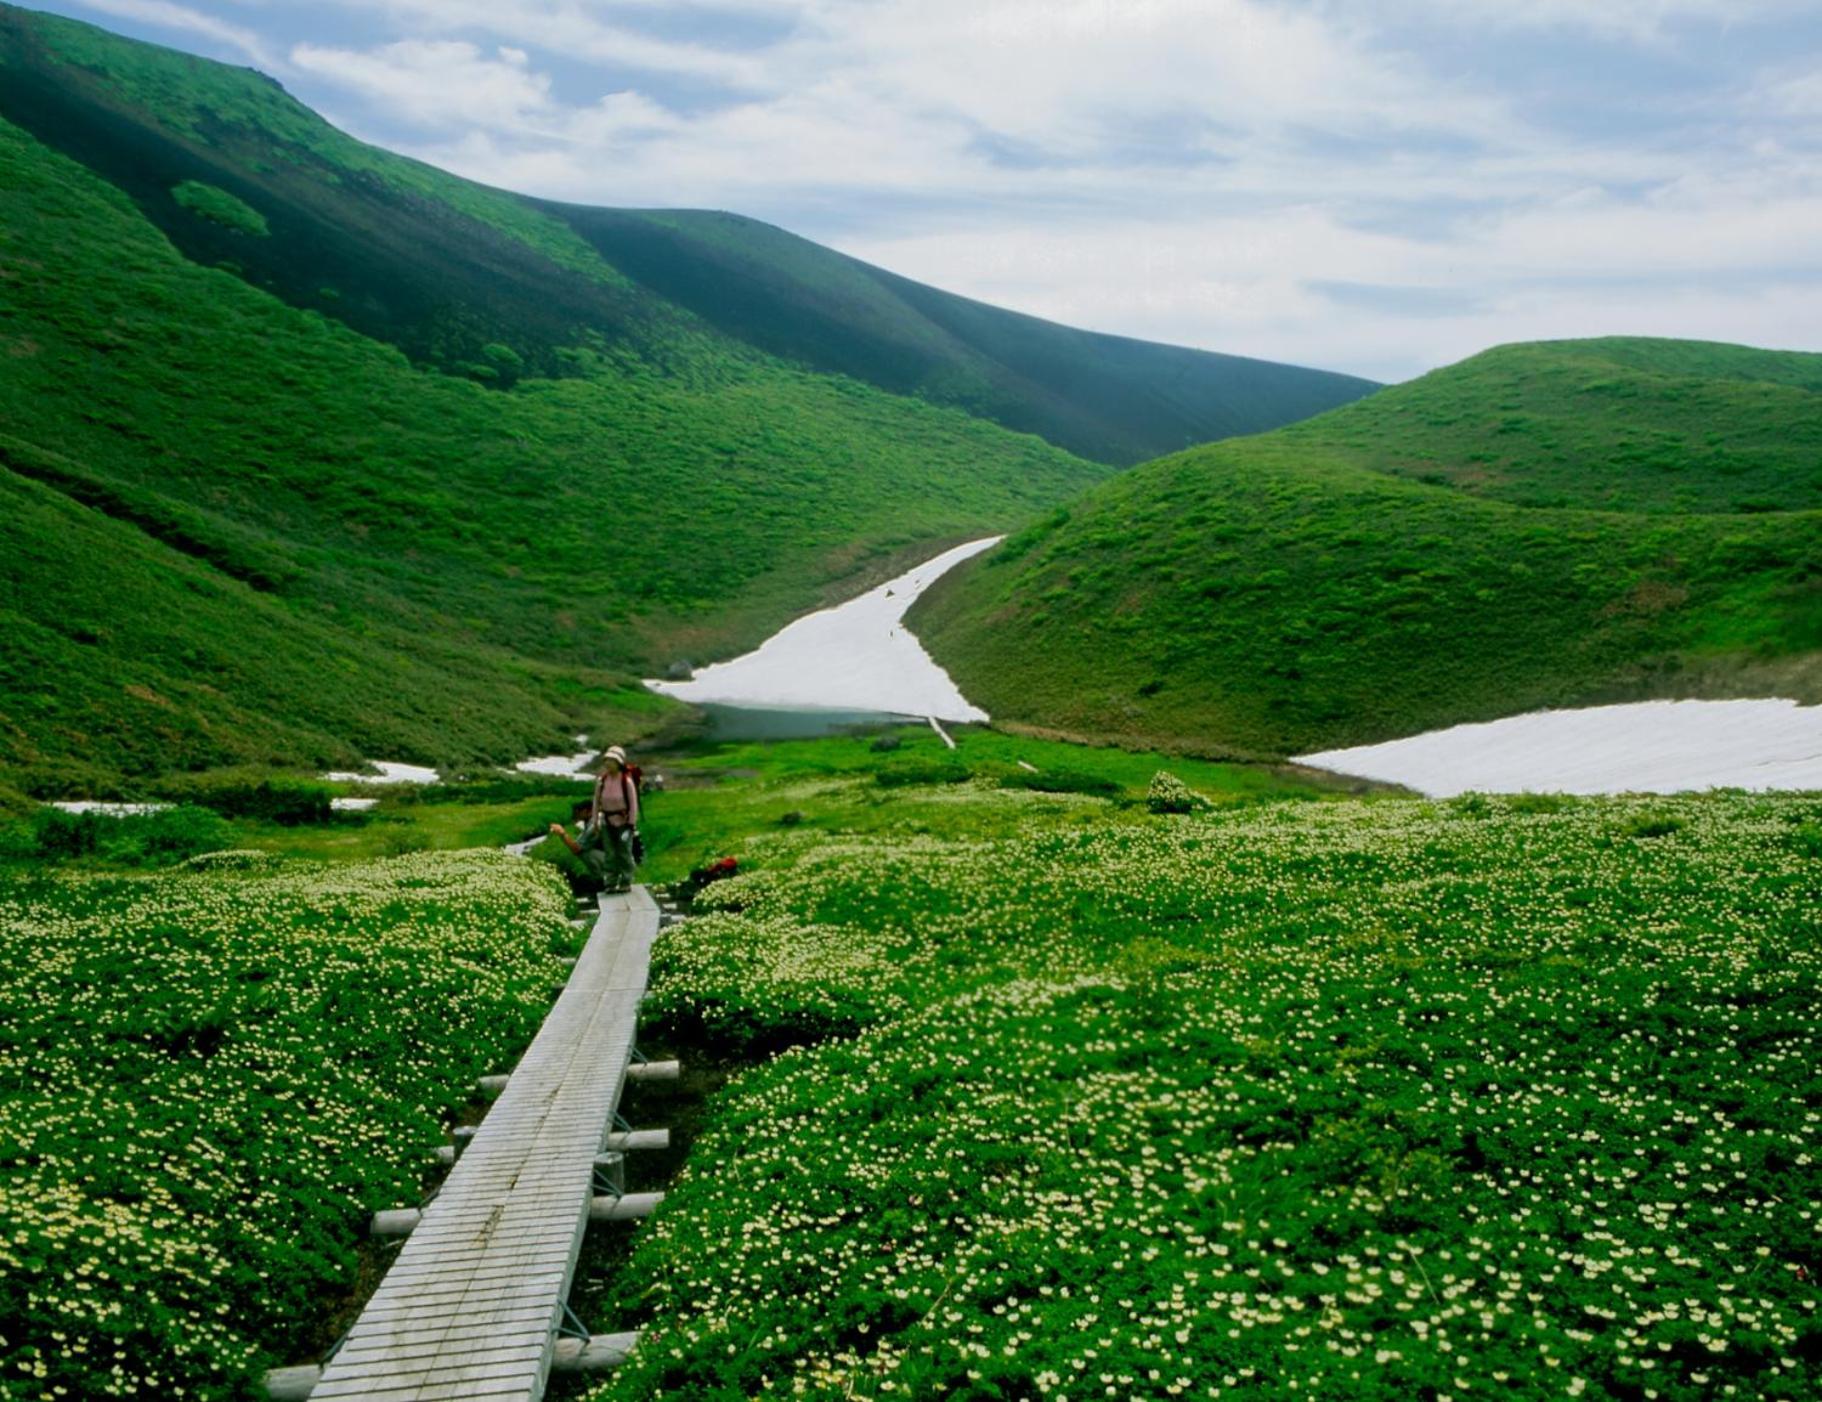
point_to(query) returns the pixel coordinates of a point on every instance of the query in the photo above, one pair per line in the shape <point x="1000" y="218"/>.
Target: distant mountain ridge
<point x="444" y="269"/>
<point x="1543" y="525"/>
<point x="1110" y="398"/>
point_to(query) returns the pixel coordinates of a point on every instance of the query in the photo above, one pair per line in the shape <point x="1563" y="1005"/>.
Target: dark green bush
<point x="904" y="772"/>
<point x="503" y="789"/>
<point x="1806" y="839"/>
<point x="135" y="840"/>
<point x="1060" y="781"/>
<point x="271" y="798"/>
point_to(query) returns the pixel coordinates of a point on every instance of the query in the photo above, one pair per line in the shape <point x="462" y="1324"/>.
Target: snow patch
<point x="110" y="810"/>
<point x="1647" y="747"/>
<point x="858" y="656"/>
<point x="560" y="766"/>
<point x="390" y="773"/>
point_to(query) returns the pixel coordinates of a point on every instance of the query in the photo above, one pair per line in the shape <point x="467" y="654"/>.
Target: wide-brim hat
<point x="615" y="753"/>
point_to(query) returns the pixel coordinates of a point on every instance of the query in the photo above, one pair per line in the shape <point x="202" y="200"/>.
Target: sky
<point x="1377" y="186"/>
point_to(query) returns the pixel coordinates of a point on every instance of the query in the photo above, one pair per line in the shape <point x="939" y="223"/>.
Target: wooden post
<point x="610" y="1173"/>
<point x="654" y="1071"/>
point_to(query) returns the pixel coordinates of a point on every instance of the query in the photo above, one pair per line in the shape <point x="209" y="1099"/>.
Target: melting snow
<point x="390" y="773"/>
<point x="1649" y="747"/>
<point x="858" y="656"/>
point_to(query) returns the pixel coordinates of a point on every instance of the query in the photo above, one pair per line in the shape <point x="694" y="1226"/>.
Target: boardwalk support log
<point x="654" y="1071"/>
<point x="621" y="1141"/>
<point x="492" y="1086"/>
<point x="292" y="1384"/>
<point x="396" y="1221"/>
<point x="447" y="1154"/>
<point x="596" y="1352"/>
<point x="623" y="1208"/>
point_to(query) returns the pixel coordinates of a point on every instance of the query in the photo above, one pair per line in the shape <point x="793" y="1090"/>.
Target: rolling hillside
<point x="319" y="452"/>
<point x="1541" y="525"/>
<point x="445" y="269"/>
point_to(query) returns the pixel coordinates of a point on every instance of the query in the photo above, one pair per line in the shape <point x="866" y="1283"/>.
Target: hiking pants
<point x="610" y="858"/>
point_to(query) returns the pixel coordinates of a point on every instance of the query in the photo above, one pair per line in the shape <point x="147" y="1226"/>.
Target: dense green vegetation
<point x="208" y="1080"/>
<point x="1389" y="1099"/>
<point x="1289" y="1094"/>
<point x="1541" y="525"/>
<point x="240" y="530"/>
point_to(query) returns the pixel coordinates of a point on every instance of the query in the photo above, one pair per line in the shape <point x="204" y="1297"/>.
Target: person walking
<point x="611" y="833"/>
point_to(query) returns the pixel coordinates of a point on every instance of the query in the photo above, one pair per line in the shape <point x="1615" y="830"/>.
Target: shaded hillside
<point x="1106" y="397"/>
<point x="344" y="497"/>
<point x="1505" y="534"/>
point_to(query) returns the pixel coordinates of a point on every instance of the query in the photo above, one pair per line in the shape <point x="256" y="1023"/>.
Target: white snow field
<point x="110" y="810"/>
<point x="391" y="772"/>
<point x="855" y="657"/>
<point x="559" y="766"/>
<point x="1647" y="747"/>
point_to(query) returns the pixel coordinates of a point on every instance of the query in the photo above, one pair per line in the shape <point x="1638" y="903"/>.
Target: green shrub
<point x="271" y="798"/>
<point x="1169" y="794"/>
<point x="512" y="788"/>
<point x="1060" y="781"/>
<point x="219" y="207"/>
<point x="1653" y="825"/>
<point x="1539" y="802"/>
<point x="131" y="840"/>
<point x="904" y="772"/>
<point x="61" y="836"/>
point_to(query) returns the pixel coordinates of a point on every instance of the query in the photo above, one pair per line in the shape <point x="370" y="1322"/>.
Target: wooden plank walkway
<point x="471" y="1306"/>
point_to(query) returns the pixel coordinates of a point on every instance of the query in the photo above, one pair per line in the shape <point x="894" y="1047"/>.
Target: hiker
<point x="610" y="840"/>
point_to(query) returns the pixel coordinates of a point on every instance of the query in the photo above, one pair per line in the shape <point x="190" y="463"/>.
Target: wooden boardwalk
<point x="471" y="1307"/>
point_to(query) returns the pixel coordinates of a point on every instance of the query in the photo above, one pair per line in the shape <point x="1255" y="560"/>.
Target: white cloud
<point x="1304" y="179"/>
<point x="182" y="19"/>
<point x="1642" y="21"/>
<point x="571" y="28"/>
<point x="440" y="83"/>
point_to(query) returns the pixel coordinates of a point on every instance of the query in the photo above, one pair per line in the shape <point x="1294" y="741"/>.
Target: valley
<point x="1166" y="872"/>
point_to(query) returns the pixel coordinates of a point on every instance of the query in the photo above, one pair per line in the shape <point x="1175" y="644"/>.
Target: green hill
<point x="367" y="459"/>
<point x="234" y="172"/>
<point x="1541" y="525"/>
<point x="240" y="529"/>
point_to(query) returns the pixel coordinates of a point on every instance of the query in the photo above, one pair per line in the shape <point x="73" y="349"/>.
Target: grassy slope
<point x="1107" y="397"/>
<point x="344" y="504"/>
<point x="1393" y="566"/>
<point x="443" y="268"/>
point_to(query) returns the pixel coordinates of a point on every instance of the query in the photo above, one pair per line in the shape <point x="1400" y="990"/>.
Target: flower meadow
<point x="208" y="1079"/>
<point x="1388" y="1099"/>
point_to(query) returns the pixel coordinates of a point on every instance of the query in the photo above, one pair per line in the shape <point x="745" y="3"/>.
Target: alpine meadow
<point x="619" y="802"/>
